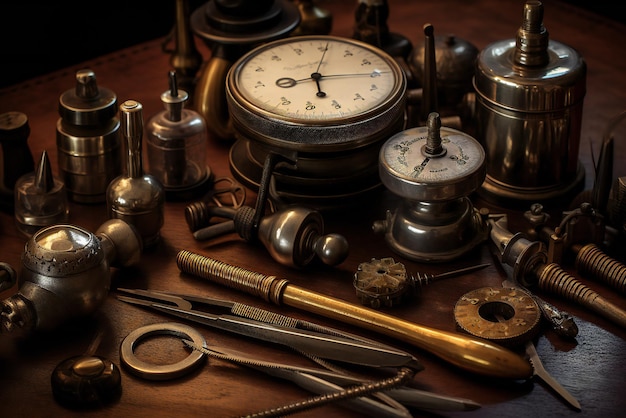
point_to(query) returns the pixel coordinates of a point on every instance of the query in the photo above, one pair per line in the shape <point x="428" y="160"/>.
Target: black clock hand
<point x="317" y="77"/>
<point x="319" y="65"/>
<point x="286" y="82"/>
<point x="418" y="169"/>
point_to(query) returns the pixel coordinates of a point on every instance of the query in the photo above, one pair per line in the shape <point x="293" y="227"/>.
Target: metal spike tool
<point x="542" y="373"/>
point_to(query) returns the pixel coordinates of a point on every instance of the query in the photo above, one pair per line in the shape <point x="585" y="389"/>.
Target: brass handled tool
<point x="472" y="354"/>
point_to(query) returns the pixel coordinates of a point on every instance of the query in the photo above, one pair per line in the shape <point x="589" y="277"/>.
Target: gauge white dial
<point x="317" y="79"/>
<point x="312" y="83"/>
<point x="409" y="169"/>
<point x="406" y="157"/>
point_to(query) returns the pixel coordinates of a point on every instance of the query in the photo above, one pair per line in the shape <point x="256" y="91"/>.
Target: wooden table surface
<point x="591" y="367"/>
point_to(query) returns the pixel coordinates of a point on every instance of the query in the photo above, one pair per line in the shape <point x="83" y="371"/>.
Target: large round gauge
<point x="325" y="97"/>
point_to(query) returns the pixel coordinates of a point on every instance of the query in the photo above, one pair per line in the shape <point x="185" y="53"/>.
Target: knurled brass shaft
<point x="553" y="279"/>
<point x="592" y="262"/>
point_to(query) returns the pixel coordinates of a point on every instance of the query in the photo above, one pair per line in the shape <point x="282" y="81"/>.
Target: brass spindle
<point x="593" y="262"/>
<point x="552" y="278"/>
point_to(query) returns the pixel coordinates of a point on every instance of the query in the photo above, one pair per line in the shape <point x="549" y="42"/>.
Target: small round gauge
<point x="433" y="169"/>
<point x="416" y="166"/>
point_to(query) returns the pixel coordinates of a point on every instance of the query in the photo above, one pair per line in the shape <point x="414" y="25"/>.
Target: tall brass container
<point x="88" y="141"/>
<point x="529" y="104"/>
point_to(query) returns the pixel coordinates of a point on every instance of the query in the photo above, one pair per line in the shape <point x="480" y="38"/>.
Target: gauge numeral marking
<point x="347" y="53"/>
<point x="335" y="104"/>
<point x="276" y="58"/>
<point x="309" y="106"/>
<point x="402" y="149"/>
<point x="259" y="69"/>
<point x="461" y="158"/>
<point x="357" y="96"/>
<point x="284" y="101"/>
<point x="259" y="84"/>
<point x="366" y="62"/>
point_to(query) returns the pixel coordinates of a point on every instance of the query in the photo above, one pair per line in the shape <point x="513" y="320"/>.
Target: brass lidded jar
<point x="529" y="104"/>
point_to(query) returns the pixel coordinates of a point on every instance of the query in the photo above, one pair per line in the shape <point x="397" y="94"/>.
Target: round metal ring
<point x="504" y="315"/>
<point x="161" y="372"/>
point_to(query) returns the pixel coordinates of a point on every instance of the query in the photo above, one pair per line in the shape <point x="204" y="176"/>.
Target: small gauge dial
<point x="409" y="168"/>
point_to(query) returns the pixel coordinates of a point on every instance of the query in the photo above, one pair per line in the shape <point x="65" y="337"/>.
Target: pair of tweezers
<point x="317" y="342"/>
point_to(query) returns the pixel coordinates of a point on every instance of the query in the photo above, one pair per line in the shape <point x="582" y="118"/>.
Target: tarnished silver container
<point x="88" y="143"/>
<point x="529" y="104"/>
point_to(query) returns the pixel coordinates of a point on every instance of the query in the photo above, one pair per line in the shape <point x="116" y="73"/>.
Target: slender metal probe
<point x="423" y="279"/>
<point x="470" y="353"/>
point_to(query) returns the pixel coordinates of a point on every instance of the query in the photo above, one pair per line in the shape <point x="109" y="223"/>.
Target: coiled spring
<point x="268" y="288"/>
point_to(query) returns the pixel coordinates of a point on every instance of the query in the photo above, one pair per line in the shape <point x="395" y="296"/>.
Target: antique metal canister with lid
<point x="88" y="142"/>
<point x="529" y="103"/>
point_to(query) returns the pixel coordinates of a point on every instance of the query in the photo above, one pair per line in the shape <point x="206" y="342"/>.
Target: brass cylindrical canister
<point x="529" y="104"/>
<point x="88" y="143"/>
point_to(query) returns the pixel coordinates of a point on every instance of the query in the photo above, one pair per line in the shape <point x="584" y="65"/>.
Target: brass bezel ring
<point x="475" y="312"/>
<point x="161" y="372"/>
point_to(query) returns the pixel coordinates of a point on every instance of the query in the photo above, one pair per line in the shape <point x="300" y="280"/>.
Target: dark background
<point x="39" y="37"/>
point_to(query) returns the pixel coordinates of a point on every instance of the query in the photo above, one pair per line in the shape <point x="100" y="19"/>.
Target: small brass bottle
<point x="135" y="197"/>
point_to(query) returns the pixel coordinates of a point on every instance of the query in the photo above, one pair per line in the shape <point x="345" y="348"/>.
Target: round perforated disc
<point x="507" y="316"/>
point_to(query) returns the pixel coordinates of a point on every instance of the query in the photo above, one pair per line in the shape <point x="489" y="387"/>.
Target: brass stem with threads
<point x="592" y="261"/>
<point x="530" y="267"/>
<point x="464" y="351"/>
<point x="553" y="279"/>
